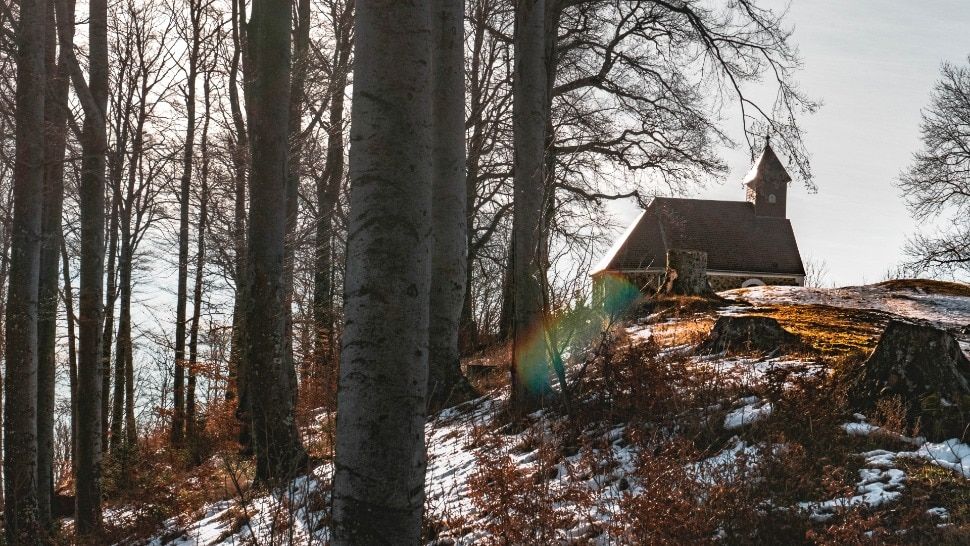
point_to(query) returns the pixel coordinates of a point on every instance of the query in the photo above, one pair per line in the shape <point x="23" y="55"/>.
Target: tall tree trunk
<point x="107" y="336"/>
<point x="328" y="191"/>
<point x="188" y="152"/>
<point x="300" y="58"/>
<point x="55" y="112"/>
<point x="20" y="393"/>
<point x="530" y="370"/>
<point x="121" y="423"/>
<point x="279" y="452"/>
<point x="378" y="492"/>
<point x="71" y="350"/>
<point x="237" y="384"/>
<point x="123" y="349"/>
<point x="94" y="148"/>
<point x="449" y="252"/>
<point x="190" y="406"/>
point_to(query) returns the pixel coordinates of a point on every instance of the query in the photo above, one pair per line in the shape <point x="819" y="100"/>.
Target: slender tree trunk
<point x="530" y="370"/>
<point x="178" y="389"/>
<point x="279" y="452"/>
<point x="237" y="384"/>
<point x="378" y="492"/>
<point x="123" y="349"/>
<point x="300" y="57"/>
<point x="190" y="406"/>
<point x="88" y="479"/>
<point x="107" y="336"/>
<point x="20" y="394"/>
<point x="449" y="252"/>
<point x="328" y="191"/>
<point x="55" y="112"/>
<point x="71" y="350"/>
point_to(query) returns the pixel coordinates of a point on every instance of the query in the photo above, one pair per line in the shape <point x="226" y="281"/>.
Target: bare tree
<point x="20" y="389"/>
<point x="935" y="186"/>
<point x="191" y="416"/>
<point x="378" y="492"/>
<point x="193" y="30"/>
<point x="328" y="186"/>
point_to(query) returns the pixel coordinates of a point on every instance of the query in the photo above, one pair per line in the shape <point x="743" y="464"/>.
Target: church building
<point x="748" y="243"/>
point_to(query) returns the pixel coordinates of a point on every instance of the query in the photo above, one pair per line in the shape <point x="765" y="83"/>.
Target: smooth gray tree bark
<point x="530" y="370"/>
<point x="20" y="388"/>
<point x="449" y="252"/>
<point x="279" y="452"/>
<point x="378" y="493"/>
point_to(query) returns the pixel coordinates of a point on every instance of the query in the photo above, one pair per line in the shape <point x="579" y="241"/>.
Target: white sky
<point x="873" y="64"/>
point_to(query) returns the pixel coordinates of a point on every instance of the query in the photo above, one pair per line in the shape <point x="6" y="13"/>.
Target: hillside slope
<point x="661" y="445"/>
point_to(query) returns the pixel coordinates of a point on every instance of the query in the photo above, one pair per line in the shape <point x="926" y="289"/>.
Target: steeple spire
<point x="767" y="184"/>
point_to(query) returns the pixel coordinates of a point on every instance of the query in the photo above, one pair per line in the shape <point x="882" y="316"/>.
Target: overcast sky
<point x="873" y="64"/>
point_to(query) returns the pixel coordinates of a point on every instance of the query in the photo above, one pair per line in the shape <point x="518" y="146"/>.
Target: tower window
<point x="771" y="198"/>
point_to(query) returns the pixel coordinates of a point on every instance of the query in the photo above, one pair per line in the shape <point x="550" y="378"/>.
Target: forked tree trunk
<point x="449" y="253"/>
<point x="20" y="388"/>
<point x="279" y="452"/>
<point x="686" y="273"/>
<point x="530" y="367"/>
<point x="378" y="492"/>
<point x="55" y="112"/>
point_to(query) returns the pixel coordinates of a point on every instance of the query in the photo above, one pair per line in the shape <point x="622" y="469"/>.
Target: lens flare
<point x="541" y="351"/>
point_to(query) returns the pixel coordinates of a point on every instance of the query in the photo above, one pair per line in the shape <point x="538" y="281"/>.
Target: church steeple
<point x="767" y="185"/>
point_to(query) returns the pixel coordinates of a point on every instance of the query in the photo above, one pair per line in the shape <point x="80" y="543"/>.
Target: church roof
<point x="734" y="238"/>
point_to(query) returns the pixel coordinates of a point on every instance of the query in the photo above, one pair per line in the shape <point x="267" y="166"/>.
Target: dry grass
<point x="834" y="331"/>
<point x="929" y="286"/>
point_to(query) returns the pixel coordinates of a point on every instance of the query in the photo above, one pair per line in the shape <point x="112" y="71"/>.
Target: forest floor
<point x="661" y="445"/>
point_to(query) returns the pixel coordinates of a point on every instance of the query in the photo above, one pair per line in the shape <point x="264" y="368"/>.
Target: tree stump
<point x="686" y="273"/>
<point x="740" y="334"/>
<point x="924" y="367"/>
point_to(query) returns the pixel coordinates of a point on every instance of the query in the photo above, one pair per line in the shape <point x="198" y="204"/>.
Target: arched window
<point x="752" y="282"/>
<point x="771" y="198"/>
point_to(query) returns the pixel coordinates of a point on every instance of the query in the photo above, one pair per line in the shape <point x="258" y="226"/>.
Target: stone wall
<point x="648" y="283"/>
<point x="729" y="282"/>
